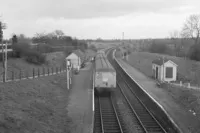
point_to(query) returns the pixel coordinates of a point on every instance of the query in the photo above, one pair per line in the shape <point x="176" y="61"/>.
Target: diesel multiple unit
<point x="105" y="74"/>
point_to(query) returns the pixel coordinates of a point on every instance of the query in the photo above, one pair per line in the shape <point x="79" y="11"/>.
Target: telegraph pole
<point x="122" y="38"/>
<point x="3" y="26"/>
<point x="163" y="68"/>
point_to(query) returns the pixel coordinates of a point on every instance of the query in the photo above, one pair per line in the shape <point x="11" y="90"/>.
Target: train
<point x="104" y="75"/>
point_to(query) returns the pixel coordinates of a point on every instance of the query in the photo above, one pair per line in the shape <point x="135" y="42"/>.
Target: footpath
<point x="181" y="117"/>
<point x="80" y="101"/>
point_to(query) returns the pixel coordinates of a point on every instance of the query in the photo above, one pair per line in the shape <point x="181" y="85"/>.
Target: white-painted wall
<point x="162" y="74"/>
<point x="75" y="60"/>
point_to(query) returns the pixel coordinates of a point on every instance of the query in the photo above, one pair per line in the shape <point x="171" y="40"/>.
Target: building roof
<point x="80" y="54"/>
<point x="161" y="61"/>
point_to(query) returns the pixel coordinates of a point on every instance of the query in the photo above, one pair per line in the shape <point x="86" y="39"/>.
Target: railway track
<point x="146" y="122"/>
<point x="106" y="117"/>
<point x="148" y="116"/>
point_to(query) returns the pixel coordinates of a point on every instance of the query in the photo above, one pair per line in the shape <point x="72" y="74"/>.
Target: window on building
<point x="169" y="72"/>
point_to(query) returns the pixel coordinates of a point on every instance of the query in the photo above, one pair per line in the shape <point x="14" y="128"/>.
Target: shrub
<point x="160" y="48"/>
<point x="194" y="52"/>
<point x="35" y="57"/>
<point x="20" y="49"/>
<point x="44" y="48"/>
<point x="68" y="50"/>
<point x="31" y="55"/>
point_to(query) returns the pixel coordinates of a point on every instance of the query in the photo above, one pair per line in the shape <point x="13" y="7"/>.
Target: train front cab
<point x="105" y="82"/>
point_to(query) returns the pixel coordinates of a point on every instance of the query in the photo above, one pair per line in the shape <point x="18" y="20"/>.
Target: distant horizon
<point x="93" y="19"/>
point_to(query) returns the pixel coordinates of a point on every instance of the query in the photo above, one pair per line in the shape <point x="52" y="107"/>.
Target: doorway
<point x="156" y="72"/>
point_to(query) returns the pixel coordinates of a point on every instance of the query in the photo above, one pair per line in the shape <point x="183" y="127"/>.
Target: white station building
<point x="164" y="70"/>
<point x="77" y="58"/>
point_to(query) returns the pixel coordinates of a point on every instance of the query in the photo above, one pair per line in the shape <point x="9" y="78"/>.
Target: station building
<point x="164" y="70"/>
<point x="77" y="57"/>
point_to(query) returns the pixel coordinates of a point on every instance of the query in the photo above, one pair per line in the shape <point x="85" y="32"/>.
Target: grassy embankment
<point x="37" y="105"/>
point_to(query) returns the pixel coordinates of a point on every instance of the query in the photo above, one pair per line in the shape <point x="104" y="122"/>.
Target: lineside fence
<point x="16" y="75"/>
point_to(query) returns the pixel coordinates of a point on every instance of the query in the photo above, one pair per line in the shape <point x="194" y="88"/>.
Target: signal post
<point x="69" y="73"/>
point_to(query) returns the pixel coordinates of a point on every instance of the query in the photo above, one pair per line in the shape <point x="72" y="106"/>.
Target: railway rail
<point x="150" y="118"/>
<point x="106" y="117"/>
<point x="146" y="122"/>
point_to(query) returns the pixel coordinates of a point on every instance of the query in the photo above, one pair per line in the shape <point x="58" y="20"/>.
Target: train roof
<point x="102" y="63"/>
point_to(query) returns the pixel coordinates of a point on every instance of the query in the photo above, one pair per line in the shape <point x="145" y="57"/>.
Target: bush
<point x="31" y="54"/>
<point x="160" y="48"/>
<point x="194" y="52"/>
<point x="35" y="57"/>
<point x="68" y="50"/>
<point x="20" y="49"/>
<point x="44" y="48"/>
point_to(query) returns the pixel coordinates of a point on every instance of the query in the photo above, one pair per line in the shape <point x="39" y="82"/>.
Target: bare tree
<point x="174" y="34"/>
<point x="191" y="28"/>
<point x="59" y="33"/>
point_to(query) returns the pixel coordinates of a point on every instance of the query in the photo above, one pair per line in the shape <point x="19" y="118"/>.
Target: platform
<point x="182" y="118"/>
<point x="80" y="108"/>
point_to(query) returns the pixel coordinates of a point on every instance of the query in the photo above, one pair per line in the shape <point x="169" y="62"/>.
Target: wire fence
<point x="15" y="75"/>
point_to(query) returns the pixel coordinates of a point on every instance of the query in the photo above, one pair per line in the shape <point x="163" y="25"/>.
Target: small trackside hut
<point x="105" y="74"/>
<point x="77" y="58"/>
<point x="168" y="74"/>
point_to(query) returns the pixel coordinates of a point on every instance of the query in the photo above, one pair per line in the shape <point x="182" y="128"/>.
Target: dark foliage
<point x="32" y="55"/>
<point x="160" y="48"/>
<point x="35" y="57"/>
<point x="14" y="39"/>
<point x="68" y="50"/>
<point x="94" y="48"/>
<point x="194" y="52"/>
<point x="20" y="49"/>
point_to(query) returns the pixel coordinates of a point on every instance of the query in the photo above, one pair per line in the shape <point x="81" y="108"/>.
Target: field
<point x="104" y="44"/>
<point x="188" y="70"/>
<point x="37" y="105"/>
<point x="55" y="59"/>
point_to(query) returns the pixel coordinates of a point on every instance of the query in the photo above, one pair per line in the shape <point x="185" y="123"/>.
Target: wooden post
<point x="43" y="71"/>
<point x="48" y="71"/>
<point x="20" y="74"/>
<point x="33" y="72"/>
<point x="60" y="69"/>
<point x="188" y="85"/>
<point x="180" y="83"/>
<point x="13" y="75"/>
<point x="38" y="72"/>
<point x="52" y="70"/>
<point x="56" y="70"/>
<point x="27" y="74"/>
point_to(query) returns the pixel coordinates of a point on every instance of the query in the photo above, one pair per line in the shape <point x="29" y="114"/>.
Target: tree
<point x="59" y="33"/>
<point x="191" y="28"/>
<point x="14" y="39"/>
<point x="174" y="35"/>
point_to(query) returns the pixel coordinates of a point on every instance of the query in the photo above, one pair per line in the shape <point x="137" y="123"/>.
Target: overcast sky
<point x="97" y="18"/>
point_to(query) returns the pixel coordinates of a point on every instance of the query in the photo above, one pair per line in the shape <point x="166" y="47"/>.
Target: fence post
<point x="52" y="70"/>
<point x="48" y="71"/>
<point x="33" y="72"/>
<point x="188" y="85"/>
<point x="60" y="69"/>
<point x="43" y="71"/>
<point x="27" y="74"/>
<point x="20" y="74"/>
<point x="38" y="72"/>
<point x="13" y="75"/>
<point x="56" y="70"/>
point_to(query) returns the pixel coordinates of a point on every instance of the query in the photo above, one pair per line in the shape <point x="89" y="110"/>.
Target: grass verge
<point x="37" y="105"/>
